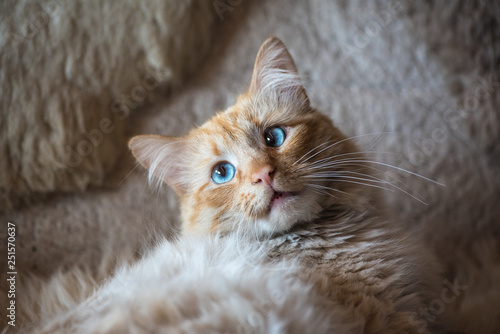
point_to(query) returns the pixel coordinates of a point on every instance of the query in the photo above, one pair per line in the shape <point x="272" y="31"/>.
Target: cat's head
<point x="261" y="166"/>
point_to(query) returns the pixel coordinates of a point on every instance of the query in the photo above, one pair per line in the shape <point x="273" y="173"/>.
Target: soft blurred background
<point x="79" y="78"/>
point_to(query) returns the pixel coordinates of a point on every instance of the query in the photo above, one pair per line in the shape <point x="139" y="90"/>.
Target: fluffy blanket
<point x="423" y="76"/>
<point x="73" y="71"/>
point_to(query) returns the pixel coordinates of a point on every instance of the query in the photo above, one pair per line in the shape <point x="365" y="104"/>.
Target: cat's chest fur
<point x="357" y="259"/>
<point x="330" y="237"/>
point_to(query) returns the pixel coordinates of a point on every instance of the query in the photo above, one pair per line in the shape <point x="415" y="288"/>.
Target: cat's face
<point x="259" y="167"/>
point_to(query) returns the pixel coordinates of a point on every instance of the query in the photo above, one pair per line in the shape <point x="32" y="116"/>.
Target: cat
<point x="273" y="198"/>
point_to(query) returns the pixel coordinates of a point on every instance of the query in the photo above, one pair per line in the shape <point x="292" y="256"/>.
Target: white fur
<point x="204" y="285"/>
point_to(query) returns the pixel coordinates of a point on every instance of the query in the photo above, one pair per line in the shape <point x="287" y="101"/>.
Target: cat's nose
<point x="264" y="175"/>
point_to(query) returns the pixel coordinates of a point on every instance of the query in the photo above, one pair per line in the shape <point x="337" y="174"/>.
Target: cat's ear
<point x="275" y="72"/>
<point x="163" y="157"/>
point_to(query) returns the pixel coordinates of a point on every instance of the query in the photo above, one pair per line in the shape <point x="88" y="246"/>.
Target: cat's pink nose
<point x="264" y="175"/>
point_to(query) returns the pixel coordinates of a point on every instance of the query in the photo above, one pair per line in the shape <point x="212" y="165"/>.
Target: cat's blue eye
<point x="223" y="172"/>
<point x="274" y="136"/>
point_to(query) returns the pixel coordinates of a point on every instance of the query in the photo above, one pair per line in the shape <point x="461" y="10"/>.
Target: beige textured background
<point x="72" y="71"/>
<point x="425" y="74"/>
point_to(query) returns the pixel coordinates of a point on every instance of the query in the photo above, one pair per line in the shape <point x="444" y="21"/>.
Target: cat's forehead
<point x="239" y="130"/>
<point x="234" y="127"/>
<point x="234" y="121"/>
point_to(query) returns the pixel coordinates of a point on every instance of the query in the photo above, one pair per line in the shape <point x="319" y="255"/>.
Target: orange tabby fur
<point x="276" y="97"/>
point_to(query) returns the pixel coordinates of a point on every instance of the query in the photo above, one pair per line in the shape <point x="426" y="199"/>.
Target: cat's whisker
<point x="320" y="191"/>
<point x="326" y="165"/>
<point x="333" y="157"/>
<point x="340" y="172"/>
<point x="350" y="162"/>
<point x="340" y="162"/>
<point x="128" y="174"/>
<point x="377" y="140"/>
<point x="326" y="188"/>
<point x="363" y="184"/>
<point x="335" y="177"/>
<point x="364" y="175"/>
<point x="369" y="185"/>
<point x="361" y="155"/>
<point x="364" y="166"/>
<point x="310" y="151"/>
<point x="343" y="178"/>
<point x="346" y="139"/>
<point x="388" y="182"/>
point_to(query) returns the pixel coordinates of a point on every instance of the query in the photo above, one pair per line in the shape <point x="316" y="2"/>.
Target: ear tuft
<point x="275" y="73"/>
<point x="162" y="156"/>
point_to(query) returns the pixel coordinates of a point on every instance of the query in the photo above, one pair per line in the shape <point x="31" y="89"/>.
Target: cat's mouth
<point x="279" y="198"/>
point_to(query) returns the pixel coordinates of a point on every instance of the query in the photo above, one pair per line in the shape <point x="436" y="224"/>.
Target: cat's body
<point x="357" y="276"/>
<point x="279" y="197"/>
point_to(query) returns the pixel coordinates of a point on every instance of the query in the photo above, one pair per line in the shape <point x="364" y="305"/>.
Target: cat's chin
<point x="279" y="199"/>
<point x="287" y="209"/>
